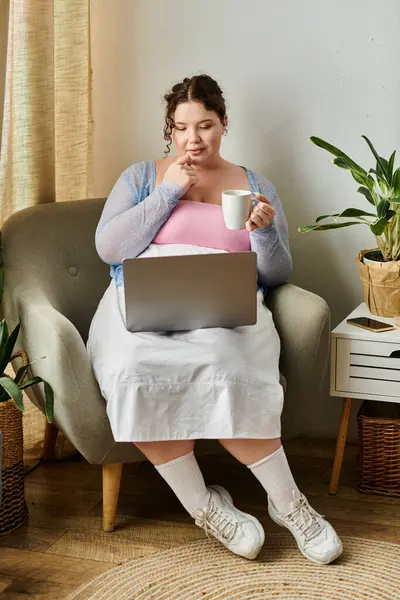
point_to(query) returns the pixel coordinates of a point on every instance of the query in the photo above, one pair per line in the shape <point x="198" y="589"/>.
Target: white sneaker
<point x="315" y="537"/>
<point x="241" y="533"/>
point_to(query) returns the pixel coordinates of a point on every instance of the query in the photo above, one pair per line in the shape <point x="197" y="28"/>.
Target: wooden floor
<point x="63" y="545"/>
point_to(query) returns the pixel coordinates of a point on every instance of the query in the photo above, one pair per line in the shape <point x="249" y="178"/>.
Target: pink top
<point x="201" y="224"/>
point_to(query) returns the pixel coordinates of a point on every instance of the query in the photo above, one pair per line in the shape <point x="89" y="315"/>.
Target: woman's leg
<point x="267" y="460"/>
<point x="249" y="451"/>
<point x="315" y="537"/>
<point x="162" y="452"/>
<point x="211" y="508"/>
<point x="177" y="465"/>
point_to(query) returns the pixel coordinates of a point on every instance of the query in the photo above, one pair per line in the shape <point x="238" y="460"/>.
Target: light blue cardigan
<point x="128" y="224"/>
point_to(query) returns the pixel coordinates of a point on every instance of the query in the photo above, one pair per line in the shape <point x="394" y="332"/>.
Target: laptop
<point x="178" y="293"/>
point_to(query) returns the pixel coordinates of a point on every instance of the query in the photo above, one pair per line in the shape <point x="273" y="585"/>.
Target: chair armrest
<point x="302" y="320"/>
<point x="79" y="408"/>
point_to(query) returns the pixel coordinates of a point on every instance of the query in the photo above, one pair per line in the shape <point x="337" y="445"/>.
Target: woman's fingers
<point x="257" y="220"/>
<point x="184" y="160"/>
<point x="261" y="198"/>
<point x="262" y="213"/>
<point x="263" y="209"/>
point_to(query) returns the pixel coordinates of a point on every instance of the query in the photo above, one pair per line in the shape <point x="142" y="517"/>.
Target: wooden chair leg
<point x="49" y="443"/>
<point x="111" y="483"/>
<point x="340" y="445"/>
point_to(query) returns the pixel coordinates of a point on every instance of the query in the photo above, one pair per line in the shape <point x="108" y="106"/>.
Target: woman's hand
<point x="181" y="173"/>
<point x="261" y="215"/>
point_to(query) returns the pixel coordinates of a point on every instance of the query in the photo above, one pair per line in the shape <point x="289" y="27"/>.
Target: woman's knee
<point x="162" y="452"/>
<point x="248" y="451"/>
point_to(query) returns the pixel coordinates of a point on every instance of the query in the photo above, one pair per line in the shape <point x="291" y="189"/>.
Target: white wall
<point x="290" y="69"/>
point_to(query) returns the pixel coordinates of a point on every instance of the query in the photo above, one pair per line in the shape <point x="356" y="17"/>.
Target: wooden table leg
<point x="340" y="445"/>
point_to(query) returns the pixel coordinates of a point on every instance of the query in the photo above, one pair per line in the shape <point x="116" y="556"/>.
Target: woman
<point x="165" y="391"/>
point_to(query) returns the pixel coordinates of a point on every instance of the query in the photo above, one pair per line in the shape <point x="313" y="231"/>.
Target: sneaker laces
<point x="213" y="520"/>
<point x="307" y="520"/>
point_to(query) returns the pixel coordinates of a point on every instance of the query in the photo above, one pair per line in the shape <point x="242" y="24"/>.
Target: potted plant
<point x="379" y="267"/>
<point x="13" y="509"/>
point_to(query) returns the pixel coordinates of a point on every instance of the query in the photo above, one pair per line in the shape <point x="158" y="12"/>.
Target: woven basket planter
<point x="13" y="509"/>
<point x="379" y="457"/>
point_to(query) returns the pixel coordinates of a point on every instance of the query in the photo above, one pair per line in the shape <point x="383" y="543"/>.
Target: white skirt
<point x="211" y="383"/>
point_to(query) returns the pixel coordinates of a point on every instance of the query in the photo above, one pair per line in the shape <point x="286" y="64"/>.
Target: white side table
<point x="364" y="365"/>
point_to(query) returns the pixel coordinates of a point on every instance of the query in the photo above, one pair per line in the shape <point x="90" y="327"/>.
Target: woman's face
<point x="197" y="132"/>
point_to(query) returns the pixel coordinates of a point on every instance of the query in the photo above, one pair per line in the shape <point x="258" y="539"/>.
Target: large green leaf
<point x="3" y="337"/>
<point x="3" y="340"/>
<point x="328" y="226"/>
<point x="384" y="188"/>
<point x="365" y="192"/>
<point x="379" y="226"/>
<point x="48" y="401"/>
<point x="396" y="182"/>
<point x="336" y="152"/>
<point x="21" y="373"/>
<point x="381" y="181"/>
<point x="322" y="217"/>
<point x="370" y="183"/>
<point x="3" y="395"/>
<point x="356" y="212"/>
<point x="348" y="212"/>
<point x="359" y="177"/>
<point x="385" y="174"/>
<point x="391" y="164"/>
<point x="343" y="163"/>
<point x="9" y="347"/>
<point x="395" y="200"/>
<point x="13" y="391"/>
<point x="30" y="382"/>
<point x="383" y="208"/>
<point x="377" y="157"/>
<point x="48" y="395"/>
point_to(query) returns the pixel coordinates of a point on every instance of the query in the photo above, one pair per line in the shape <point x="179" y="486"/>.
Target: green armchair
<point x="53" y="284"/>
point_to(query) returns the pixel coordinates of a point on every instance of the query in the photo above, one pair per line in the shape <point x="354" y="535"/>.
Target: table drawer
<point x="365" y="348"/>
<point x="365" y="367"/>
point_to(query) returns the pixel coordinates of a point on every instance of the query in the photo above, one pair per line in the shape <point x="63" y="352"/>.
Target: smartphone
<point x="370" y="324"/>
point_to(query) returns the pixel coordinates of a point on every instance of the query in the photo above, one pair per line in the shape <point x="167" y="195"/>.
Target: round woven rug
<point x="205" y="570"/>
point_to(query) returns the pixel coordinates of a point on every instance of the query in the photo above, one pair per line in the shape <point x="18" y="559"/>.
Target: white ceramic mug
<point x="236" y="208"/>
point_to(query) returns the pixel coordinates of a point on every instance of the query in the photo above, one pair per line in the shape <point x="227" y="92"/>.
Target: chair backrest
<point x="52" y="245"/>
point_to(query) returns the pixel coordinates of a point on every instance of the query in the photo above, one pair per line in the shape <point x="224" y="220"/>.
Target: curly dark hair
<point x="199" y="88"/>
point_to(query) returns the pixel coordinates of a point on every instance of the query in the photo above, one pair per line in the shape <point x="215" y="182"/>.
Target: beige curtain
<point x="3" y="53"/>
<point x="46" y="141"/>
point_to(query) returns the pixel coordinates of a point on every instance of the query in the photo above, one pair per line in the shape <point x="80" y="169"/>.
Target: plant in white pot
<point x="380" y="267"/>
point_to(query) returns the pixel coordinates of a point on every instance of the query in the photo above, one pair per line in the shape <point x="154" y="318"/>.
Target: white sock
<point x="184" y="477"/>
<point x="274" y="474"/>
